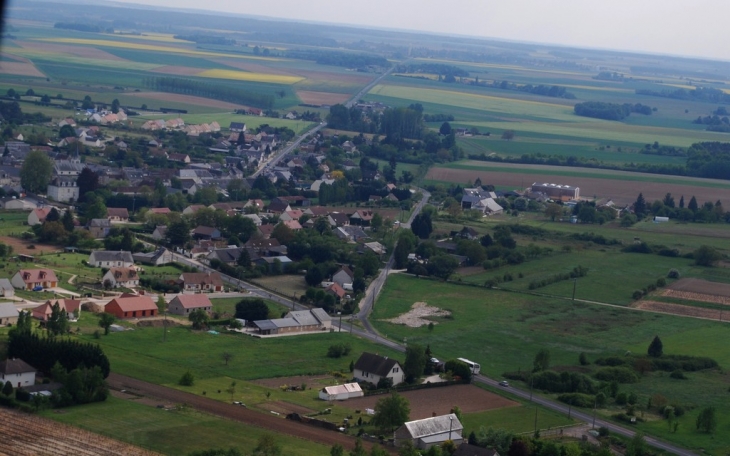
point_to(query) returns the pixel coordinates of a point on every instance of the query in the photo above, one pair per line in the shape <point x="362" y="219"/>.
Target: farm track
<point x="232" y="412"/>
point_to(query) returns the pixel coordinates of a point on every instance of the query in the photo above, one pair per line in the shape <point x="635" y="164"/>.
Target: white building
<point x="64" y="189"/>
<point x="17" y="372"/>
<point x="108" y="259"/>
<point x="340" y="392"/>
<point x="430" y="431"/>
<point x="371" y="368"/>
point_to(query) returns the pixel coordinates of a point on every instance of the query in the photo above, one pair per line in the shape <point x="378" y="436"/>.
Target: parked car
<point x="504" y="383"/>
<point x="435" y="361"/>
<point x="38" y="288"/>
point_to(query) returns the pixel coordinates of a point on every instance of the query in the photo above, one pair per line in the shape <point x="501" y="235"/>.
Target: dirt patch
<point x="23" y="433"/>
<point x="81" y="51"/>
<point x="678" y="309"/>
<point x="322" y="98"/>
<point x="470" y="270"/>
<point x="21" y="246"/>
<point x="416" y="317"/>
<point x="200" y="101"/>
<point x="159" y="322"/>
<point x="284" y="408"/>
<point x="20" y="69"/>
<point x="701" y="286"/>
<point x="17" y="58"/>
<point x="174" y="69"/>
<point x="425" y="402"/>
<point x="310" y="381"/>
<point x="620" y="191"/>
<point x="702" y="297"/>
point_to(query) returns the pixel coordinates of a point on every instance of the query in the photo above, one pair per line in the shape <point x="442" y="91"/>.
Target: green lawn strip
<point x="173" y="432"/>
<point x="228" y="305"/>
<point x="143" y="354"/>
<point x="520" y="419"/>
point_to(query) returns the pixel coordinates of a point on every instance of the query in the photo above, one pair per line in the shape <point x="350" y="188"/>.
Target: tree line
<point x="544" y="90"/>
<point x="209" y="90"/>
<point x="706" y="94"/>
<point x="342" y="59"/>
<point x="610" y="111"/>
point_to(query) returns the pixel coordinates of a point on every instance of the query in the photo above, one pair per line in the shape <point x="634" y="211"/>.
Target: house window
<point x="395" y="369"/>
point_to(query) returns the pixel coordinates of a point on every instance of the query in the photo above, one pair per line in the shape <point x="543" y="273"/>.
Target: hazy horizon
<point x="670" y="27"/>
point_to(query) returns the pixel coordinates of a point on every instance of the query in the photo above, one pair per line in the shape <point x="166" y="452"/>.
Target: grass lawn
<point x="173" y="432"/>
<point x="503" y="331"/>
<point x="514" y="419"/>
<point x="228" y="306"/>
<point x="287" y="285"/>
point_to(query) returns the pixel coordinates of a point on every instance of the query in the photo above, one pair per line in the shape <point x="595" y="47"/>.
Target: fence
<point x="400" y="389"/>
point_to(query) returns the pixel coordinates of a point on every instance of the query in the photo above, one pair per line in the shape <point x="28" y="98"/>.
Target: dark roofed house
<point x="201" y="281"/>
<point x="266" y="230"/>
<point x="237" y="127"/>
<point x="371" y="368"/>
<point x="117" y="214"/>
<point x="228" y="256"/>
<point x="17" y="372"/>
<point x="206" y="232"/>
<point x="277" y="206"/>
<point x="99" y="228"/>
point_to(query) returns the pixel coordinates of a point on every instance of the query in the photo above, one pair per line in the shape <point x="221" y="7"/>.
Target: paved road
<point x="283" y="152"/>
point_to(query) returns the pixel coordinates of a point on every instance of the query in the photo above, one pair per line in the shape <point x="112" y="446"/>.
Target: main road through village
<point x="369" y="332"/>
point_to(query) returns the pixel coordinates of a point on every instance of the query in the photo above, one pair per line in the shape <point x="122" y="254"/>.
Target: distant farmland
<point x="621" y="186"/>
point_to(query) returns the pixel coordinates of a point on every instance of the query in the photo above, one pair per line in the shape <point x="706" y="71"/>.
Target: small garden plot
<point x="425" y="402"/>
<point x="678" y="309"/>
<point x="417" y="316"/>
<point x="312" y="382"/>
<point x="699" y="290"/>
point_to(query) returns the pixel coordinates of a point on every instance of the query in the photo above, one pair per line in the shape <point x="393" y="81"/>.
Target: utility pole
<point x="531" y="378"/>
<point x="575" y="282"/>
<point x="594" y="414"/>
<point x="536" y="420"/>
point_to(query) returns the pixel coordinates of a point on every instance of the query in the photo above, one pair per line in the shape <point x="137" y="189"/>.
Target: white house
<point x="340" y="392"/>
<point x="343" y="276"/>
<point x="126" y="277"/>
<point x="6" y="288"/>
<point x="17" y="372"/>
<point x="371" y="368"/>
<point x="108" y="259"/>
<point x="8" y="314"/>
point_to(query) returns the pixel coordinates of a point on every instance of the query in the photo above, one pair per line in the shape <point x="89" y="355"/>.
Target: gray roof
<point x="433" y="425"/>
<point x="15" y="366"/>
<point x="285" y="322"/>
<point x="265" y="324"/>
<point x="5" y="284"/>
<point x="100" y="223"/>
<point x="304" y="317"/>
<point x="106" y="255"/>
<point x="320" y="314"/>
<point x="8" y="309"/>
<point x="226" y="255"/>
<point x="376" y="364"/>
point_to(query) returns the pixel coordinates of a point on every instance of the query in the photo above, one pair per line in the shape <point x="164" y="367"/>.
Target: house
<point x="339" y="218"/>
<point x="159" y="233"/>
<point x="237" y="127"/>
<point x="107" y="259"/>
<point x="434" y="431"/>
<point x="116" y="277"/>
<point x="44" y="311"/>
<point x="469" y="233"/>
<point x="64" y="189"/>
<point x="266" y="230"/>
<point x="277" y="206"/>
<point x="337" y="291"/>
<point x="481" y="200"/>
<point x="8" y="314"/>
<point x="38" y="216"/>
<point x="17" y="372"/>
<point x="99" y="228"/>
<point x="182" y="158"/>
<point x="376" y="247"/>
<point x="159" y="210"/>
<point x="361" y="217"/>
<point x="295" y="321"/>
<point x="350" y="233"/>
<point x="270" y="261"/>
<point x="472" y="450"/>
<point x="227" y="256"/>
<point x="293" y="225"/>
<point x="371" y="368"/>
<point x="192" y="209"/>
<point x="117" y="214"/>
<point x="183" y="304"/>
<point x="158" y="257"/>
<point x="294" y="214"/>
<point x="201" y="281"/>
<point x="6" y="288"/>
<point x="128" y="306"/>
<point x="557" y="192"/>
<point x="28" y="279"/>
<point x="254" y="217"/>
<point x="19" y="204"/>
<point x="343" y="276"/>
<point x="341" y="392"/>
<point x="206" y="232"/>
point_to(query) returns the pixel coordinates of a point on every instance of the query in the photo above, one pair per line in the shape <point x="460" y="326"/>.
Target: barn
<point x="340" y="392"/>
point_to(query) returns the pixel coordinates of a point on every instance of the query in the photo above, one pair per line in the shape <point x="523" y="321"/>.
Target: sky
<point x="694" y="28"/>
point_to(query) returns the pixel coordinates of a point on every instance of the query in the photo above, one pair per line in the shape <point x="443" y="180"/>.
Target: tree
<point x="422" y="225"/>
<point x="337" y="450"/>
<point x="8" y="388"/>
<point x="668" y="200"/>
<point x="187" y="379"/>
<point x="499" y="439"/>
<point x="283" y="234"/>
<point x="706" y="256"/>
<point x="458" y="369"/>
<point x="115" y="106"/>
<point x="656" y="348"/>
<point x="415" y="362"/>
<point x="391" y="412"/>
<point x="199" y="318"/>
<point x="88" y="181"/>
<point x="244" y="260"/>
<point x="640" y="206"/>
<point x="707" y="420"/>
<point x="106" y="320"/>
<point x="36" y="172"/>
<point x="58" y="321"/>
<point x="252" y="309"/>
<point x="376" y="223"/>
<point x="508" y="135"/>
<point x="407" y="449"/>
<point x="267" y="446"/>
<point x="178" y="233"/>
<point x="553" y="210"/>
<point x="67" y="131"/>
<point x="227" y="356"/>
<point x="692" y="206"/>
<point x="541" y="361"/>
<point x="445" y="129"/>
<point x="359" y="450"/>
<point x="637" y="445"/>
<point x="68" y="220"/>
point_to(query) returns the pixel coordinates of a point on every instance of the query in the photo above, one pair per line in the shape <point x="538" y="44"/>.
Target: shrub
<point x="187" y="379"/>
<point x="686" y="363"/>
<point x="583" y="359"/>
<point x="678" y="374"/>
<point x="612" y="361"/>
<point x="577" y="399"/>
<point x="622" y="398"/>
<point x="338" y="350"/>
<point x="564" y="382"/>
<point x="673" y="274"/>
<point x="637" y="294"/>
<point x="603" y="431"/>
<point x="617" y="374"/>
<point x="661" y="282"/>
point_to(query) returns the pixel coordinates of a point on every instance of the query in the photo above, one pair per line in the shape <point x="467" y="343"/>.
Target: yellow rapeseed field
<point x="246" y="76"/>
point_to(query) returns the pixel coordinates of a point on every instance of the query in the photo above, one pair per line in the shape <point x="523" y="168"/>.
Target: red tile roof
<point x="192" y="301"/>
<point x="131" y="304"/>
<point x="37" y="275"/>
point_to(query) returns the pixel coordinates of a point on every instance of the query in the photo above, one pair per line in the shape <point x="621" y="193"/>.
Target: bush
<point x="686" y="363"/>
<point x="564" y="382"/>
<point x="616" y="374"/>
<point x="622" y="399"/>
<point x="603" y="431"/>
<point x="187" y="379"/>
<point x="338" y="350"/>
<point x="678" y="374"/>
<point x="661" y="282"/>
<point x="637" y="294"/>
<point x="612" y="361"/>
<point x="577" y="399"/>
<point x="673" y="274"/>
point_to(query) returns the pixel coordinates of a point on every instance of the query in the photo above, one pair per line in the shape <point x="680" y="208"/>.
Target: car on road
<point x="504" y="383"/>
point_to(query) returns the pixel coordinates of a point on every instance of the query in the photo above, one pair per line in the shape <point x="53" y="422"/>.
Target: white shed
<point x="340" y="392"/>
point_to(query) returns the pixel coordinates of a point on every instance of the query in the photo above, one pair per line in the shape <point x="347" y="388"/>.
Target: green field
<point x="173" y="432"/>
<point x="502" y="331"/>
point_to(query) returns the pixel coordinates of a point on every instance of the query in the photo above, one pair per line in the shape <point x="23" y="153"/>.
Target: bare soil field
<point x="701" y="286"/>
<point x="161" y="96"/>
<point x="691" y="296"/>
<point x="322" y="98"/>
<point x="426" y="402"/>
<point x="284" y="408"/>
<point x="244" y="415"/>
<point x="310" y="381"/>
<point x="470" y="270"/>
<point x="678" y="309"/>
<point x="620" y="191"/>
<point x="81" y="51"/>
<point x="176" y="69"/>
<point x="17" y="58"/>
<point x="24" y="434"/>
<point x="21" y="246"/>
<point x="417" y="316"/>
<point x="20" y="69"/>
<point x="287" y="285"/>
